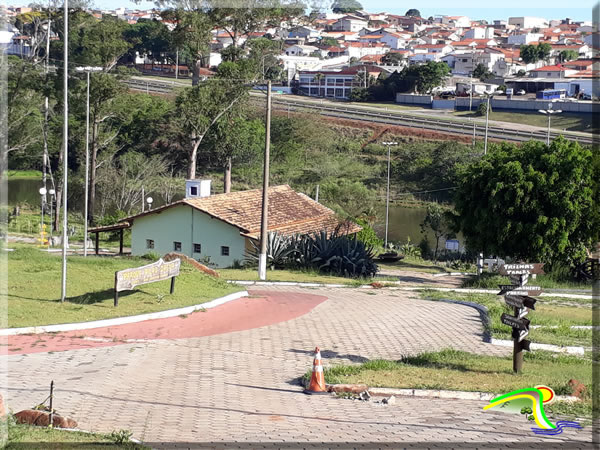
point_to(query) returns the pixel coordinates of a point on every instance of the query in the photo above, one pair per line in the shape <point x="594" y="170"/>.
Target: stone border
<point x="399" y="288"/>
<point x="429" y="393"/>
<point x="122" y="320"/>
<point x="548" y="347"/>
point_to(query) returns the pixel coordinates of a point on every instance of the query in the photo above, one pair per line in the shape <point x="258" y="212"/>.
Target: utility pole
<point x="46" y="107"/>
<point x="472" y="70"/>
<point x="549" y="113"/>
<point x="387" y="197"/>
<point x="264" y="223"/>
<point x="487" y="121"/>
<point x="177" y="64"/>
<point x="63" y="295"/>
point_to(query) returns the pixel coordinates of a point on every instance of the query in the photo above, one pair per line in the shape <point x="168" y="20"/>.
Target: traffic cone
<point x="317" y="379"/>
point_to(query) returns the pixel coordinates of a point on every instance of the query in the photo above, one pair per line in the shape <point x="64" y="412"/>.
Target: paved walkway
<point x="241" y="386"/>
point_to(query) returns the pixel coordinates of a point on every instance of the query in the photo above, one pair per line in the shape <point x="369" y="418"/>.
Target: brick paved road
<point x="240" y="386"/>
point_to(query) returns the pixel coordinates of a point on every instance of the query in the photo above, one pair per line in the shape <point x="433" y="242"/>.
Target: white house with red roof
<point x="554" y="71"/>
<point x="441" y="49"/>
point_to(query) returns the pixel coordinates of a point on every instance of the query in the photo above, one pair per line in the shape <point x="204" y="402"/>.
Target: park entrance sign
<point x="128" y="279"/>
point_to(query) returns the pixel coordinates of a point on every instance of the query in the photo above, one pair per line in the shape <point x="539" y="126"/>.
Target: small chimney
<point x="197" y="188"/>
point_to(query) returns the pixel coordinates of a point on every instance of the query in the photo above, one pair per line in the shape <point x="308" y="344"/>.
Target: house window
<point x="197" y="248"/>
<point x="149" y="243"/>
<point x="224" y="250"/>
<point x="177" y="246"/>
<point x="193" y="190"/>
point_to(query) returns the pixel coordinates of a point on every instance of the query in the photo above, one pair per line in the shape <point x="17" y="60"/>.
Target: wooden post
<point x="116" y="292"/>
<point x="121" y="242"/>
<point x="51" y="419"/>
<point x="97" y="242"/>
<point x="172" y="285"/>
<point x="517" y="349"/>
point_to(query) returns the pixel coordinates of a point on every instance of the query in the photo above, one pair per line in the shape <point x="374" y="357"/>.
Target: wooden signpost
<point x="127" y="279"/>
<point x="520" y="297"/>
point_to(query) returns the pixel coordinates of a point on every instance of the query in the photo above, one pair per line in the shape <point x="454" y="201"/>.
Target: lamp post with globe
<point x="149" y="200"/>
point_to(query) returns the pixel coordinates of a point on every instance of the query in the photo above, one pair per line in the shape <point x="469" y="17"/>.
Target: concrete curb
<point x="122" y="320"/>
<point x="429" y="393"/>
<point x="400" y="288"/>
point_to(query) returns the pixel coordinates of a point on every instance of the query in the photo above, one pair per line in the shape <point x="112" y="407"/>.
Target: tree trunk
<point x="196" y="71"/>
<point x="227" y="178"/>
<point x="193" y="156"/>
<point x="92" y="187"/>
<point x="59" y="189"/>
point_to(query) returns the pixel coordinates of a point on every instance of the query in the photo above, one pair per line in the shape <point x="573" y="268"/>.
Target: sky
<point x="549" y="9"/>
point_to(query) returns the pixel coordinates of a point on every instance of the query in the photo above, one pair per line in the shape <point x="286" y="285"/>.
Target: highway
<point x="464" y="127"/>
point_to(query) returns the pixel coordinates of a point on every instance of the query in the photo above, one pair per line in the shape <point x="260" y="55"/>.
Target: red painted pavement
<point x="267" y="308"/>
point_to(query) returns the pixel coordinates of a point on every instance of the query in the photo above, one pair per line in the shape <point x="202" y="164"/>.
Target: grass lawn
<point x="299" y="276"/>
<point x="546" y="314"/>
<point x="24" y="174"/>
<point x="564" y="121"/>
<point x="455" y="370"/>
<point x="414" y="265"/>
<point x="25" y="436"/>
<point x="34" y="286"/>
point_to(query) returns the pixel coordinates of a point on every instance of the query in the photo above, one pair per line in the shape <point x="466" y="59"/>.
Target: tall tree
<point x="345" y="6"/>
<point x="413" y="13"/>
<point x="437" y="221"/>
<point x="531" y="201"/>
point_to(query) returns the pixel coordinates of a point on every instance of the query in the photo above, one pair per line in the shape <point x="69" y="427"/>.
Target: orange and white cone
<point x="317" y="379"/>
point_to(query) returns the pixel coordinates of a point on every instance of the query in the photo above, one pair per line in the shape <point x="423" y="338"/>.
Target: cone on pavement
<point x="317" y="379"/>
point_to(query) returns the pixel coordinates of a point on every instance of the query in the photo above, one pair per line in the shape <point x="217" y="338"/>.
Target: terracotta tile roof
<point x="290" y="212"/>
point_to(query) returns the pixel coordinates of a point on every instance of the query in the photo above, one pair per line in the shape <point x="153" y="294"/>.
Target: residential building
<point x="554" y="71"/>
<point x="479" y="33"/>
<point x="335" y="83"/>
<point x="457" y="21"/>
<point x="301" y="50"/>
<point x="524" y="38"/>
<point x="307" y="33"/>
<point x="219" y="228"/>
<point x="350" y="23"/>
<point x="528" y="22"/>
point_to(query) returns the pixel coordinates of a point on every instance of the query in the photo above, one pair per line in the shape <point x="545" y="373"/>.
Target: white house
<point x="334" y="83"/>
<point x="360" y="49"/>
<point x="457" y="21"/>
<point x="442" y="49"/>
<point x="218" y="229"/>
<point x="395" y="40"/>
<point x="303" y="32"/>
<point x="350" y="23"/>
<point x="479" y="33"/>
<point x="301" y="50"/>
<point x="524" y="38"/>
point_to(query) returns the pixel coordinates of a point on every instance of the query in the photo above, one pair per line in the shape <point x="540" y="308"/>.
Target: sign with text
<point x="520" y="301"/>
<point x="520" y="324"/>
<point x="521" y="269"/>
<point x="512" y="289"/>
<point x="160" y="270"/>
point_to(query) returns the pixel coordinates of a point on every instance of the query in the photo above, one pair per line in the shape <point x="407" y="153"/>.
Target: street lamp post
<point x="149" y="200"/>
<point x="63" y="294"/>
<point x="387" y="197"/>
<point x="87" y="70"/>
<point x="549" y="113"/>
<point x="43" y="192"/>
<point x="51" y="192"/>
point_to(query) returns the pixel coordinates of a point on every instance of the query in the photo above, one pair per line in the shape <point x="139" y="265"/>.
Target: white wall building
<point x="528" y="22"/>
<point x="479" y="33"/>
<point x="350" y="23"/>
<point x="524" y="38"/>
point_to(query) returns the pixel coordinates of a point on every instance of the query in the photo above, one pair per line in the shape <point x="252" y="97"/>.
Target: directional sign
<point x="522" y="312"/>
<point x="521" y="269"/>
<point x="514" y="322"/>
<point x="519" y="335"/>
<point x="513" y="289"/>
<point x="525" y="345"/>
<point x="520" y="301"/>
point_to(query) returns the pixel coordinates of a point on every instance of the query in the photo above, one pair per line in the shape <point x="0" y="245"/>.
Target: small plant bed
<point x="34" y="287"/>
<point x="555" y="321"/>
<point x="27" y="436"/>
<point x="461" y="371"/>
<point x="36" y="174"/>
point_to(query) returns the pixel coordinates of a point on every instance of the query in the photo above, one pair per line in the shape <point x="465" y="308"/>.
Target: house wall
<point x="189" y="226"/>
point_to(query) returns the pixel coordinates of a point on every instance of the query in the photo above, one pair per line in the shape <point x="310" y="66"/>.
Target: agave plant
<point x="278" y="251"/>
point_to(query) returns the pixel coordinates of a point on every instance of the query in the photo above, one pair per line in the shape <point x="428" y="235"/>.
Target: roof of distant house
<point x="553" y="68"/>
<point x="290" y="212"/>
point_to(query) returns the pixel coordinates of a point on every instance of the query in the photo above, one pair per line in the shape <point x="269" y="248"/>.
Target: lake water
<point x="404" y="222"/>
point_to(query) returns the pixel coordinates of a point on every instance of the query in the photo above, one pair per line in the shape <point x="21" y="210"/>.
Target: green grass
<point x="564" y="121"/>
<point x="546" y="314"/>
<point x="34" y="288"/>
<point x="414" y="265"/>
<point x="300" y="276"/>
<point x="456" y="370"/>
<point x="24" y="174"/>
<point x="25" y="436"/>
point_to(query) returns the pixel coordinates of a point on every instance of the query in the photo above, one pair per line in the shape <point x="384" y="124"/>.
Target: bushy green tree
<point x="530" y="202"/>
<point x="345" y="6"/>
<point x="438" y="221"/>
<point x="349" y="199"/>
<point x="482" y="72"/>
<point x="413" y="13"/>
<point x="568" y="55"/>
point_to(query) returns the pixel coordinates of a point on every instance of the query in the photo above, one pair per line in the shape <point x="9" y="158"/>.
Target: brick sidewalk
<point x="241" y="386"/>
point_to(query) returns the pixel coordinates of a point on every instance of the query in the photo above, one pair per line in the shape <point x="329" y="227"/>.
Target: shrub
<point x="482" y="109"/>
<point x="367" y="235"/>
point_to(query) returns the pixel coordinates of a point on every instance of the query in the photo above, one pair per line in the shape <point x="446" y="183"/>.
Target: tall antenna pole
<point x="63" y="294"/>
